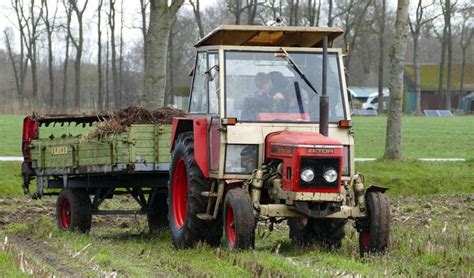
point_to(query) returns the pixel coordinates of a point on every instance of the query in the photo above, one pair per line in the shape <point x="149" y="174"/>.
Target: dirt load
<point x="120" y="120"/>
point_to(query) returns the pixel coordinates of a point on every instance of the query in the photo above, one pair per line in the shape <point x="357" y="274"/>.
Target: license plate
<point x="58" y="150"/>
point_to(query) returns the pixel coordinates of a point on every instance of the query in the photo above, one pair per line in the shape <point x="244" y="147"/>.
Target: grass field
<point x="432" y="220"/>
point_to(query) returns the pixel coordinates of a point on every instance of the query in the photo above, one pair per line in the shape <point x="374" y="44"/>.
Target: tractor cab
<point x="267" y="136"/>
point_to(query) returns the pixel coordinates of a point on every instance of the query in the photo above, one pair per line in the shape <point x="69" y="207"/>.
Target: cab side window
<point x="199" y="98"/>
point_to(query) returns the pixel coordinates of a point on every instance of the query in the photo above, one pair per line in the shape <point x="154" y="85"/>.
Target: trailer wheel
<point x="74" y="210"/>
<point x="158" y="212"/>
<point x="239" y="221"/>
<point x="374" y="235"/>
<point x="185" y="201"/>
<point x="328" y="232"/>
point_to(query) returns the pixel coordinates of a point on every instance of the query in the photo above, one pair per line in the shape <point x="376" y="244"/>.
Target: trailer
<point x="135" y="162"/>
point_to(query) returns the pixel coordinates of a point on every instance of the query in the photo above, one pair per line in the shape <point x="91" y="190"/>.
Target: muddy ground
<point x="38" y="256"/>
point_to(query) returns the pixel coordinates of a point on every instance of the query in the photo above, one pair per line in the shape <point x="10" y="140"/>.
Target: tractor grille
<point x="319" y="166"/>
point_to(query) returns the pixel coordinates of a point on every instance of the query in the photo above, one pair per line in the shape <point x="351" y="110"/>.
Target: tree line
<point x="108" y="70"/>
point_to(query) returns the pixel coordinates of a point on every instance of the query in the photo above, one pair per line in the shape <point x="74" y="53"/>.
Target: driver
<point x="263" y="100"/>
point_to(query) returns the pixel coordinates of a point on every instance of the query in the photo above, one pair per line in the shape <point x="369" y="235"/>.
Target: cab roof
<point x="255" y="35"/>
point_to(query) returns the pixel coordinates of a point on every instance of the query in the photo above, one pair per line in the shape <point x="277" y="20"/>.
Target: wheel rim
<point x="364" y="239"/>
<point x="180" y="194"/>
<point x="230" y="225"/>
<point x="65" y="213"/>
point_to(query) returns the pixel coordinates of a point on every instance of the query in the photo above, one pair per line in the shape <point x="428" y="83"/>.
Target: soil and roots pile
<point x="121" y="120"/>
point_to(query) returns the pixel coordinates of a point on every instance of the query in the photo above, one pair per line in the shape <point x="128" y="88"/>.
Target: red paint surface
<point x="30" y="132"/>
<point x="293" y="141"/>
<point x="199" y="129"/>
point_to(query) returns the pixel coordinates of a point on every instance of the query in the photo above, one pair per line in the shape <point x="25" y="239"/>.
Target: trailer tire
<point x="374" y="235"/>
<point x="239" y="221"/>
<point x="157" y="215"/>
<point x="74" y="211"/>
<point x="185" y="185"/>
<point x="328" y="232"/>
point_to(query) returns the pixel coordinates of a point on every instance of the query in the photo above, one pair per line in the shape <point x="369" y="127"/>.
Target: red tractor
<point x="268" y="136"/>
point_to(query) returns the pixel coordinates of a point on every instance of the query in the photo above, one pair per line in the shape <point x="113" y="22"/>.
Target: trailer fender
<point x="199" y="128"/>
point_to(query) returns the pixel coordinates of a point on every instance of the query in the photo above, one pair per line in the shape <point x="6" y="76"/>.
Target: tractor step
<point x="209" y="194"/>
<point x="205" y="216"/>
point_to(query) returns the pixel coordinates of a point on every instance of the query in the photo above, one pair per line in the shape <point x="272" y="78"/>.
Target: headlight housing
<point x="307" y="175"/>
<point x="330" y="175"/>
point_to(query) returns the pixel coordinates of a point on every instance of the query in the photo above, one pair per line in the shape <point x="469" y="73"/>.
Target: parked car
<point x="372" y="103"/>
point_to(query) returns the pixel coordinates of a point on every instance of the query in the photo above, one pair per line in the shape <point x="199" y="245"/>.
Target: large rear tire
<point x="239" y="221"/>
<point x="374" y="232"/>
<point x="74" y="211"/>
<point x="328" y="232"/>
<point x="185" y="201"/>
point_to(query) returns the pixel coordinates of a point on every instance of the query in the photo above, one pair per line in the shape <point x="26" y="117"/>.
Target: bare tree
<point x="7" y="38"/>
<point x="330" y="16"/>
<point x="78" y="44"/>
<point x="161" y="16"/>
<point x="314" y="12"/>
<point x="415" y="30"/>
<point x="100" y="85"/>
<point x="143" y="8"/>
<point x="115" y="77"/>
<point x="50" y="25"/>
<point x="29" y="20"/>
<point x="465" y="40"/>
<point x="122" y="22"/>
<point x="293" y="6"/>
<point x="393" y="140"/>
<point x="381" y="12"/>
<point x="235" y="8"/>
<point x="197" y="15"/>
<point x="68" y="10"/>
<point x="23" y="64"/>
<point x="352" y="14"/>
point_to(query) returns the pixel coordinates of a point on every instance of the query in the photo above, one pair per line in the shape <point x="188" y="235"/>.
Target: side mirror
<point x="350" y="97"/>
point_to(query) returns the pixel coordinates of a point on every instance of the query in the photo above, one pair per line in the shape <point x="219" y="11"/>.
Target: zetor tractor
<point x="268" y="137"/>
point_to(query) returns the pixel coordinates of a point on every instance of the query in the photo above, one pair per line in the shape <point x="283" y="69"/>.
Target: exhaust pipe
<point x="323" y="99"/>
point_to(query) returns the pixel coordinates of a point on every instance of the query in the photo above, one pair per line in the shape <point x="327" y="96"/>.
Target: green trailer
<point x="134" y="162"/>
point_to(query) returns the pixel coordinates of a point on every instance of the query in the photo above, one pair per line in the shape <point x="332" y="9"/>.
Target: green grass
<point x="430" y="237"/>
<point x="420" y="178"/>
<point x="10" y="179"/>
<point x="8" y="267"/>
<point x="422" y="137"/>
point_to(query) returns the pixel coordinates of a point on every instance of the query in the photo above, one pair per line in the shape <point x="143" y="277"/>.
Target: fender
<point x="376" y="188"/>
<point x="199" y="128"/>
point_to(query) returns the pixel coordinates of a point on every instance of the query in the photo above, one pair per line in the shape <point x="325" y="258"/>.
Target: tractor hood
<point x="295" y="138"/>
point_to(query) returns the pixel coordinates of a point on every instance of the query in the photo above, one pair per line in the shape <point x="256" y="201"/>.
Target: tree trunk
<point x="197" y="16"/>
<point x="393" y="143"/>
<point x="143" y="8"/>
<point x="100" y="104"/>
<point x="115" y="81"/>
<point x="330" y="3"/>
<point x="107" y="75"/>
<point x="11" y="55"/>
<point x="120" y="90"/>
<point x="417" y="75"/>
<point x="381" y="34"/>
<point x="450" y="55"/>
<point x="65" y="75"/>
<point x="161" y="16"/>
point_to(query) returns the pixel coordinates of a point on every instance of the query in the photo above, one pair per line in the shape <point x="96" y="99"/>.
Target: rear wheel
<point x="374" y="231"/>
<point x="73" y="210"/>
<point x="185" y="201"/>
<point x="239" y="221"/>
<point x="328" y="232"/>
<point x="158" y="213"/>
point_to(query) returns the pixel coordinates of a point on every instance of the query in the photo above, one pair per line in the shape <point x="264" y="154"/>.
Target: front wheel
<point x="239" y="221"/>
<point x="375" y="230"/>
<point x="74" y="210"/>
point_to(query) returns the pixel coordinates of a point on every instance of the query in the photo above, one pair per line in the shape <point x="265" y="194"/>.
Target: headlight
<point x="330" y="175"/>
<point x="307" y="175"/>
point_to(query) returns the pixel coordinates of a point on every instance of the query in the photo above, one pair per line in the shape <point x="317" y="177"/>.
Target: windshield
<point x="263" y="86"/>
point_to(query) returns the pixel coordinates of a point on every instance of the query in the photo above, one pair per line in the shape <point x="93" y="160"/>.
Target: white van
<point x="372" y="102"/>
